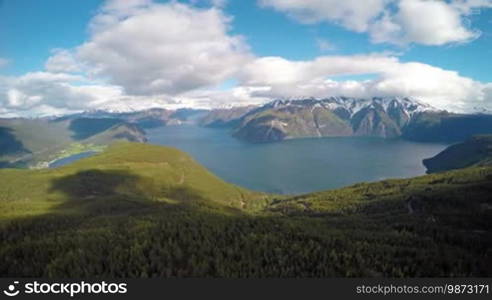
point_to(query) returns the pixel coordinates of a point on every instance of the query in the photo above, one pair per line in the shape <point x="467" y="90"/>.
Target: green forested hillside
<point x="447" y="127"/>
<point x="146" y="211"/>
<point x="476" y="151"/>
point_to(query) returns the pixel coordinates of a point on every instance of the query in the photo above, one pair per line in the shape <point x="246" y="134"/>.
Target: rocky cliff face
<point x="337" y="116"/>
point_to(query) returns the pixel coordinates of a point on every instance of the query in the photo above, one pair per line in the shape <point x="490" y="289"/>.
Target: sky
<point x="59" y="57"/>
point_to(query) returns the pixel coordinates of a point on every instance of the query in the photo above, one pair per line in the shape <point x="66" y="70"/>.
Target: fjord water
<point x="70" y="159"/>
<point x="297" y="166"/>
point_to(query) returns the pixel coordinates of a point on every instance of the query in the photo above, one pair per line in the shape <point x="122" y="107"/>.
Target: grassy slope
<point x="138" y="210"/>
<point x="144" y="171"/>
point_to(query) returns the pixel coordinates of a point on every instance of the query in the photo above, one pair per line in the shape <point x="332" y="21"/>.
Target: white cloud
<point x="351" y="14"/>
<point x="471" y="6"/>
<point x="217" y="3"/>
<point x="325" y="45"/>
<point x="45" y="93"/>
<point x="443" y="24"/>
<point x="427" y="22"/>
<point x="277" y="70"/>
<point x="3" y="62"/>
<point x="262" y="80"/>
<point x="281" y="78"/>
<point x="55" y="90"/>
<point x="141" y="55"/>
<point x="62" y="61"/>
<point x="152" y="49"/>
<point x="126" y="6"/>
<point x="236" y="96"/>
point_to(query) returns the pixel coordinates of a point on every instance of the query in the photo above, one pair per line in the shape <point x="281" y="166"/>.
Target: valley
<point x="35" y="143"/>
<point x="325" y="163"/>
<point x="39" y="142"/>
<point x="139" y="210"/>
<point x="268" y="139"/>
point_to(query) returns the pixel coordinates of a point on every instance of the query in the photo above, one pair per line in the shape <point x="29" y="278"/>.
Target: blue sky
<point x="31" y="30"/>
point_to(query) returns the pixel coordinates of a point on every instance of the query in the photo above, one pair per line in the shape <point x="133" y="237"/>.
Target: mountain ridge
<point x="334" y="116"/>
<point x="386" y="117"/>
<point x="37" y="142"/>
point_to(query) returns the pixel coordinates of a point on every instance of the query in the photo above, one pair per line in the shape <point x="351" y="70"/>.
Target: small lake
<point x="70" y="159"/>
<point x="297" y="166"/>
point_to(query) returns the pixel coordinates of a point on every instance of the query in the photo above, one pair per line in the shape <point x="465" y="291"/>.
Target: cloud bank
<point x="400" y="22"/>
<point x="142" y="54"/>
<point x="156" y="49"/>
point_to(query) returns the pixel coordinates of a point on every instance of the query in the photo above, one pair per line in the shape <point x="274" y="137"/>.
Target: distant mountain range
<point x="138" y="210"/>
<point x="227" y="117"/>
<point x="150" y="118"/>
<point x="341" y="116"/>
<point x="389" y="117"/>
<point x="30" y="141"/>
<point x="36" y="142"/>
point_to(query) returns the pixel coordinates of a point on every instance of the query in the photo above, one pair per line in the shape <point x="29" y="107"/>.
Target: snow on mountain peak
<point x="353" y="105"/>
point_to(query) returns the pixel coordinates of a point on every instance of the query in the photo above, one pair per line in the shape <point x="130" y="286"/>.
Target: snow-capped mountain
<point x="352" y="106"/>
<point x="334" y="116"/>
